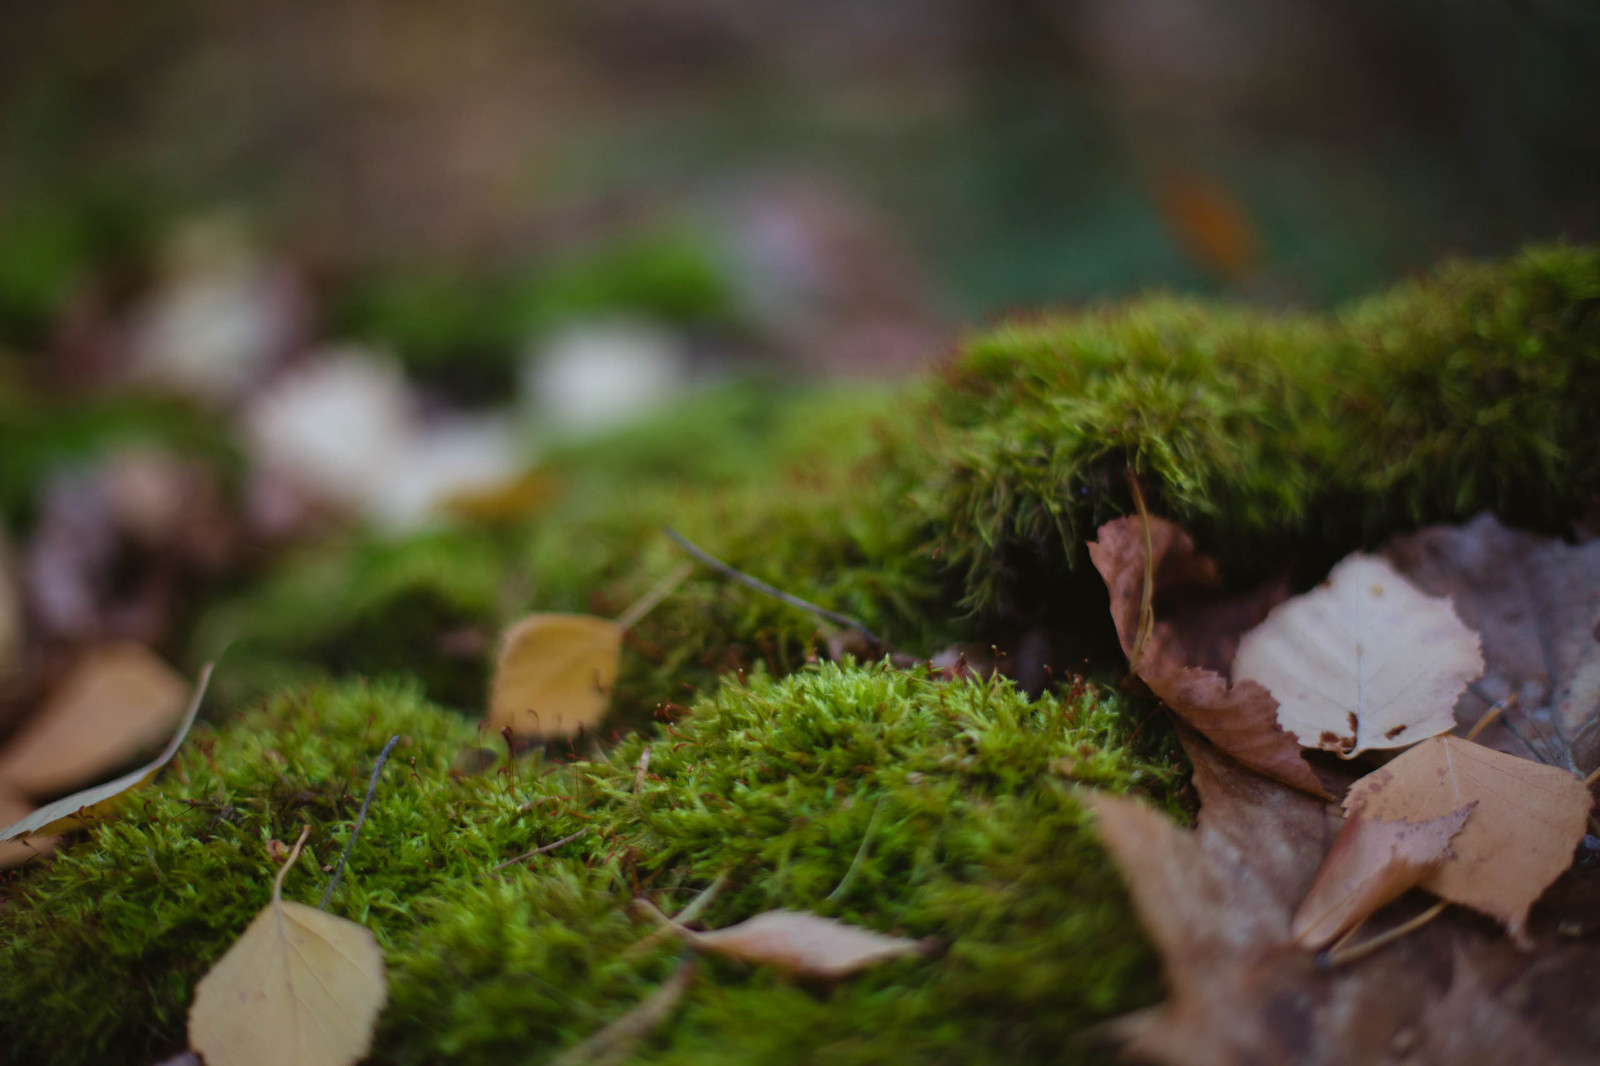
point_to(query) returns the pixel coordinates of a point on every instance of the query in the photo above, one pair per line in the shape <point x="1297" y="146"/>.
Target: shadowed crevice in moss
<point x="977" y="842"/>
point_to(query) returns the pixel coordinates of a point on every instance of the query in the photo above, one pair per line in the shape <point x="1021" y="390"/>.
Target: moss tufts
<point x="975" y="840"/>
<point x="1266" y="434"/>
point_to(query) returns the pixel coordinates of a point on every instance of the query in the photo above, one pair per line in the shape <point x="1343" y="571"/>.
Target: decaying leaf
<point x="1241" y="719"/>
<point x="117" y="699"/>
<point x="91" y="804"/>
<point x="1529" y="819"/>
<point x="299" y="987"/>
<point x="1533" y="601"/>
<point x="802" y="943"/>
<point x="17" y="852"/>
<point x="1363" y="661"/>
<point x="554" y="674"/>
<point x="1372" y="864"/>
<point x="1218" y="903"/>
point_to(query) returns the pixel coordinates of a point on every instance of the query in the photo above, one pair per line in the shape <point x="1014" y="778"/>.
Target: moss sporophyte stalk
<point x="949" y="511"/>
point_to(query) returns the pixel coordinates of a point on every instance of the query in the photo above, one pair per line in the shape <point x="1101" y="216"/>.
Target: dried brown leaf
<point x="1241" y="719"/>
<point x="805" y="944"/>
<point x="91" y="804"/>
<point x="1218" y="903"/>
<point x="117" y="699"/>
<point x="1372" y="864"/>
<point x="1529" y="819"/>
<point x="1535" y="601"/>
<point x="554" y="674"/>
<point x="1363" y="661"/>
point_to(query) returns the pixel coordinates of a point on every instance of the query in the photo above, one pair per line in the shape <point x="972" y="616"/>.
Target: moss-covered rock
<point x="868" y="793"/>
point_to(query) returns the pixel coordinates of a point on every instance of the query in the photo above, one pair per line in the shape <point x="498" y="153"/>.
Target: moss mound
<point x="974" y="839"/>
<point x="951" y="510"/>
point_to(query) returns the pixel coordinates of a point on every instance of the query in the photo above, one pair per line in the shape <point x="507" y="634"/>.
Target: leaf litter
<point x="1234" y="904"/>
<point x="1143" y="558"/>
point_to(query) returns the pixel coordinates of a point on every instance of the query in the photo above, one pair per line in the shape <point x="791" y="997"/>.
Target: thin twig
<point x="647" y="603"/>
<point x="613" y="1043"/>
<point x="761" y="586"/>
<point x="1594" y="775"/>
<point x="540" y="850"/>
<point x="861" y="853"/>
<point x="1335" y="957"/>
<point x="372" y="786"/>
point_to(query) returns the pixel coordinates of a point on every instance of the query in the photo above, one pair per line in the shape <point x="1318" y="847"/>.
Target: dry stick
<point x="540" y="850"/>
<point x="1147" y="615"/>
<point x="647" y="603"/>
<point x="372" y="786"/>
<point x="1594" y="775"/>
<point x="1334" y="957"/>
<point x="761" y="586"/>
<point x="613" y="1043"/>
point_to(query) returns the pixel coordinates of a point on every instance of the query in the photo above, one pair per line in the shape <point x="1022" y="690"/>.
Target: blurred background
<point x="261" y="264"/>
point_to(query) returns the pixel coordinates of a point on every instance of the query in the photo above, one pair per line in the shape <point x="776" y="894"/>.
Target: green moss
<point x="773" y="783"/>
<point x="805" y="492"/>
<point x="1270" y="435"/>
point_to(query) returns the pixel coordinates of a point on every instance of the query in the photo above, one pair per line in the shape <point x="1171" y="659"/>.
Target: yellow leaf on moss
<point x="298" y="988"/>
<point x="554" y="674"/>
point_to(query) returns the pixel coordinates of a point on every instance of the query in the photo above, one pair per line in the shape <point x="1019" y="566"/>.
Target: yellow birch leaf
<point x="554" y="674"/>
<point x="117" y="699"/>
<point x="92" y="804"/>
<point x="299" y="987"/>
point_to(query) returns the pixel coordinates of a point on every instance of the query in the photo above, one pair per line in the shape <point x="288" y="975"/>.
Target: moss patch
<point x="975" y="840"/>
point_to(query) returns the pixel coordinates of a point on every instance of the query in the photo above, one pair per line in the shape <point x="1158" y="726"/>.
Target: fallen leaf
<point x="1535" y="601"/>
<point x="17" y="852"/>
<point x="91" y="804"/>
<point x="1241" y="719"/>
<point x="1372" y="864"/>
<point x="554" y="674"/>
<point x="1218" y="902"/>
<point x="1529" y="819"/>
<point x="116" y="699"/>
<point x="299" y="986"/>
<point x="802" y="943"/>
<point x="1362" y="661"/>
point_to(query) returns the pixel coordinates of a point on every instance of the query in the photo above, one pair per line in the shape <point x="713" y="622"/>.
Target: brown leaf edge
<point x="1242" y="720"/>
